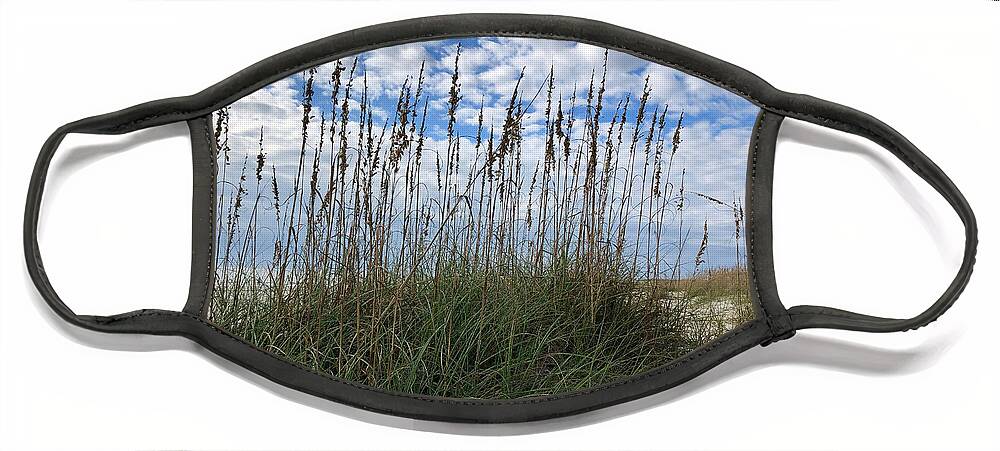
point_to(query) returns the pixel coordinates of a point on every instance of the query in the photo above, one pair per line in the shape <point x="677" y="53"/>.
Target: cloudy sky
<point x="717" y="123"/>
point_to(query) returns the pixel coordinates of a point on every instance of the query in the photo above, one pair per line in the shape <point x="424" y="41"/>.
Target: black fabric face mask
<point x="486" y="218"/>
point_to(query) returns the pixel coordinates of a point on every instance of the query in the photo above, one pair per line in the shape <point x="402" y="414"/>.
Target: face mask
<point x="486" y="218"/>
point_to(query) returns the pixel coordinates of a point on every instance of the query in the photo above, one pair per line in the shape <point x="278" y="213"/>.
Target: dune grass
<point x="425" y="271"/>
<point x="531" y="336"/>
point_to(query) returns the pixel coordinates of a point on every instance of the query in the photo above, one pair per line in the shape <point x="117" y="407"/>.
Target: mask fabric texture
<point x="482" y="217"/>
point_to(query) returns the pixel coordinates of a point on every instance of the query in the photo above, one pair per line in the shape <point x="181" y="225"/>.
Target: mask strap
<point x="839" y="117"/>
<point x="139" y="117"/>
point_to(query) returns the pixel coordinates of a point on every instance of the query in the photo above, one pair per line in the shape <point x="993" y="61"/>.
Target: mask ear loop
<point x="839" y="117"/>
<point x="149" y="321"/>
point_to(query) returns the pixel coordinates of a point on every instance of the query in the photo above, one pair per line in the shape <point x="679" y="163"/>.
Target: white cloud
<point x="715" y="135"/>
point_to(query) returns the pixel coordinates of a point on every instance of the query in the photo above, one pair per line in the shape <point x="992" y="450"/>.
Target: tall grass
<point x="422" y="270"/>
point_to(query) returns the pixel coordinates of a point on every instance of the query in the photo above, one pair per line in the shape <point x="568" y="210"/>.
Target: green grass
<point x="470" y="336"/>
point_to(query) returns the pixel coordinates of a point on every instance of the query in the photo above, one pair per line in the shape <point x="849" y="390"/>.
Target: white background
<point x="853" y="229"/>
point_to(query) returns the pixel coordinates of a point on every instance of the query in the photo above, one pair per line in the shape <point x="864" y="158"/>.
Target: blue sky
<point x="716" y="132"/>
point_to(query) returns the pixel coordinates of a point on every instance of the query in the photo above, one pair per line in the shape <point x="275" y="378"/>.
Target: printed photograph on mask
<point x="482" y="217"/>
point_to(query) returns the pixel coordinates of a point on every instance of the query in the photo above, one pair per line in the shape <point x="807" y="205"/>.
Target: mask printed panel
<point x="482" y="218"/>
